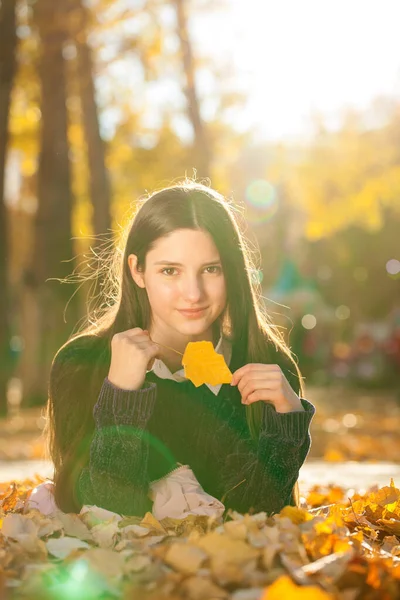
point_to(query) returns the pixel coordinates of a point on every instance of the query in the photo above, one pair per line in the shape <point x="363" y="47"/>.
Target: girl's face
<point x="183" y="272"/>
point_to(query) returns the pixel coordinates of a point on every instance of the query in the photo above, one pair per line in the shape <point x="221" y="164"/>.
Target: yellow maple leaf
<point x="296" y="515"/>
<point x="386" y="496"/>
<point x="203" y="365"/>
<point x="284" y="587"/>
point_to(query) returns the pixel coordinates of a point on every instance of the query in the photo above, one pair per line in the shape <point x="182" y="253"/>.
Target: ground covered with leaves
<point x="335" y="547"/>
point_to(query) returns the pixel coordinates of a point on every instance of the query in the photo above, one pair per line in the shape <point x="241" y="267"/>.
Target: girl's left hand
<point x="268" y="383"/>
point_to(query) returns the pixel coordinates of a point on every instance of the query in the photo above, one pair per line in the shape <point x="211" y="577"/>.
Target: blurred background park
<point x="292" y="109"/>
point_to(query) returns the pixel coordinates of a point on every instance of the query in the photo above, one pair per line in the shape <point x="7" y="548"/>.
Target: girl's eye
<point x="168" y="269"/>
<point x="217" y="269"/>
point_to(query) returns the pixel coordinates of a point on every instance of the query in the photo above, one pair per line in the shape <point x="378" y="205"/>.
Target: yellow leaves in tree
<point x="203" y="365"/>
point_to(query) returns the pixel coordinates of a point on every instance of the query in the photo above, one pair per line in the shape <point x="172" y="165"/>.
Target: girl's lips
<point x="192" y="313"/>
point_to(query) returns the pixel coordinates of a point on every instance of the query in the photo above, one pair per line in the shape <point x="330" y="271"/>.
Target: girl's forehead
<point x="183" y="241"/>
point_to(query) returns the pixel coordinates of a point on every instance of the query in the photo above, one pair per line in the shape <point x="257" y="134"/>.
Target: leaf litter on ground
<point x="332" y="548"/>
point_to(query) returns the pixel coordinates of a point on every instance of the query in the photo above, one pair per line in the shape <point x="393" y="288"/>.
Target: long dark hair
<point x="80" y="365"/>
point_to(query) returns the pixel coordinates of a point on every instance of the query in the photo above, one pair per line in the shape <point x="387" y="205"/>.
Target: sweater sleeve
<point x="270" y="468"/>
<point x="116" y="476"/>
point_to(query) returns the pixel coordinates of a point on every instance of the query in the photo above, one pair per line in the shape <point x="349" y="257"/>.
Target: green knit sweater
<point x="140" y="436"/>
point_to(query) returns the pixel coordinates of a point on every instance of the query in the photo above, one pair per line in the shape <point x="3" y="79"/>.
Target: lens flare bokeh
<point x="262" y="201"/>
<point x="74" y="580"/>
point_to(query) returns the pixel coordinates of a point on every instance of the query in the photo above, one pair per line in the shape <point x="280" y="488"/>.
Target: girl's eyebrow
<point x="176" y="264"/>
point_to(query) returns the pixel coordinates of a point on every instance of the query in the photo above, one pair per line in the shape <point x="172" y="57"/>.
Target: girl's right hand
<point x="132" y="354"/>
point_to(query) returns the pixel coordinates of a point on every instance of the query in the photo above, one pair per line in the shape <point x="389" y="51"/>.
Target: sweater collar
<point x="160" y="369"/>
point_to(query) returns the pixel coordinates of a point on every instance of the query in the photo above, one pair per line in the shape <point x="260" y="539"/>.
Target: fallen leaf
<point x="137" y="563"/>
<point x="62" y="547"/>
<point x="285" y="588"/>
<point x="234" y="551"/>
<point x="10" y="499"/>
<point x="73" y="526"/>
<point x="198" y="588"/>
<point x="93" y="515"/>
<point x="296" y="515"/>
<point x="151" y="522"/>
<point x="15" y="525"/>
<point x="185" y="557"/>
<point x="105" y="534"/>
<point x="107" y="562"/>
<point x="137" y="530"/>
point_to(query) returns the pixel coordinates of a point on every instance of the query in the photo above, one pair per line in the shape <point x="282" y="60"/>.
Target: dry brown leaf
<point x="391" y="544"/>
<point x="62" y="547"/>
<point x="151" y="522"/>
<point x="386" y="496"/>
<point x="390" y="525"/>
<point x="105" y="534"/>
<point x="233" y="551"/>
<point x="198" y="588"/>
<point x="10" y="499"/>
<point x="237" y="530"/>
<point x="74" y="526"/>
<point x="107" y="562"/>
<point x="185" y="558"/>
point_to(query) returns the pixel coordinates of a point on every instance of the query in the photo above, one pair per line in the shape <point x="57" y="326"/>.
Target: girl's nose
<point x="192" y="289"/>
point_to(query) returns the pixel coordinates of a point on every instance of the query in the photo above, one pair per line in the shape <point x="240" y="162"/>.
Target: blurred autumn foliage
<point x="103" y="100"/>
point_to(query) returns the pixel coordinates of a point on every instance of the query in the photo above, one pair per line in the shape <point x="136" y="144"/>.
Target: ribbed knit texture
<point x="142" y="435"/>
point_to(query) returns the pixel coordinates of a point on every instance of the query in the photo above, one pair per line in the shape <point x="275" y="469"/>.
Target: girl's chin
<point x="193" y="328"/>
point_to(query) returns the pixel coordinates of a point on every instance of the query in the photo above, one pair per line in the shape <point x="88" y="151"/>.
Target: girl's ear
<point x="137" y="276"/>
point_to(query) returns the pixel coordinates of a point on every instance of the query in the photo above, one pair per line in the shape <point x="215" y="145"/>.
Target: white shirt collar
<point x="160" y="369"/>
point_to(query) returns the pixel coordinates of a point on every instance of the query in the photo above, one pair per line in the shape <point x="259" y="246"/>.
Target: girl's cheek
<point x="166" y="288"/>
<point x="169" y="294"/>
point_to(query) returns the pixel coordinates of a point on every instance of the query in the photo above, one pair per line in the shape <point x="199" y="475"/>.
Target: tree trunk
<point x="201" y="146"/>
<point x="8" y="44"/>
<point x="53" y="249"/>
<point x="100" y="193"/>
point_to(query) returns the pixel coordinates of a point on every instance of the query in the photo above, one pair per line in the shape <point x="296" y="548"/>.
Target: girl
<point x="121" y="414"/>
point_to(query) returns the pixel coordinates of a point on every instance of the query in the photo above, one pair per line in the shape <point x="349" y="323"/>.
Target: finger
<point x="139" y="337"/>
<point x="147" y="345"/>
<point x="133" y="331"/>
<point x="265" y="395"/>
<point x="259" y="376"/>
<point x="257" y="367"/>
<point x="257" y="384"/>
<point x="253" y="368"/>
<point x="150" y="364"/>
